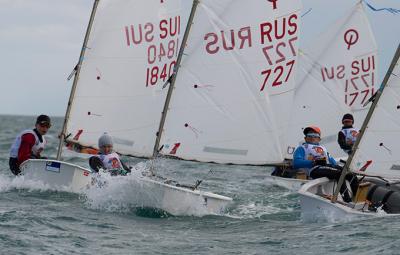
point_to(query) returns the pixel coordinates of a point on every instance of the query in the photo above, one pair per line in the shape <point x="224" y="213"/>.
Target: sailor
<point x="315" y="160"/>
<point x="311" y="153"/>
<point x="29" y="144"/>
<point x="348" y="135"/>
<point x="107" y="159"/>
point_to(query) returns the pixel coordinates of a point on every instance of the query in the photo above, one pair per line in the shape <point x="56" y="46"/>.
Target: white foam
<point x="120" y="193"/>
<point x="256" y="210"/>
<point x="8" y="183"/>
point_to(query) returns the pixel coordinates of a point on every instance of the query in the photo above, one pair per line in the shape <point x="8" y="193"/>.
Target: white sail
<point x="235" y="85"/>
<point x="381" y="140"/>
<point x="337" y="75"/>
<point x="131" y="53"/>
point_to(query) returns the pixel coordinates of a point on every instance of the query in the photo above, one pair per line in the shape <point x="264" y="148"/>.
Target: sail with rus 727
<point x="235" y="84"/>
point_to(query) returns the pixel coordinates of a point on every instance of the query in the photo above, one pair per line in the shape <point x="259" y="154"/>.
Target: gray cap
<point x="105" y="139"/>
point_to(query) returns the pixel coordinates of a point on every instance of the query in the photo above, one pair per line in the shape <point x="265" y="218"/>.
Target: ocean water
<point x="263" y="219"/>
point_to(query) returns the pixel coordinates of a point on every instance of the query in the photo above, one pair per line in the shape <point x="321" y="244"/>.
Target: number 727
<point x="278" y="72"/>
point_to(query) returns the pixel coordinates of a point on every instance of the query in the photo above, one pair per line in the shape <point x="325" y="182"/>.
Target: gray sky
<point x="40" y="43"/>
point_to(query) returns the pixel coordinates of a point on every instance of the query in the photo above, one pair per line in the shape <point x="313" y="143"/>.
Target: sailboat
<point x="115" y="90"/>
<point x="337" y="75"/>
<point x="377" y="144"/>
<point x="211" y="91"/>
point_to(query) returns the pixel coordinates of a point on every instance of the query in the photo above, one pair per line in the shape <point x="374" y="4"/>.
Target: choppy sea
<point x="263" y="219"/>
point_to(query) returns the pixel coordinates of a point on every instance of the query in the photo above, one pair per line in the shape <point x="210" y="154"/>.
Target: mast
<point x="76" y="78"/>
<point x="365" y="123"/>
<point x="174" y="75"/>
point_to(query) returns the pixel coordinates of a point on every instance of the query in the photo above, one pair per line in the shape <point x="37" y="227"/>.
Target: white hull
<point x="182" y="201"/>
<point x="172" y="199"/>
<point x="315" y="207"/>
<point x="291" y="184"/>
<point x="57" y="175"/>
<point x="294" y="184"/>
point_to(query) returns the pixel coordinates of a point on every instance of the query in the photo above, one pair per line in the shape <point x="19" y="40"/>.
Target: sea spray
<point x="8" y="183"/>
<point x="136" y="190"/>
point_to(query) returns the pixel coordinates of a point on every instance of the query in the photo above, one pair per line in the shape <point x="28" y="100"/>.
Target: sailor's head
<point x="348" y="120"/>
<point x="312" y="134"/>
<point x="43" y="123"/>
<point x="105" y="144"/>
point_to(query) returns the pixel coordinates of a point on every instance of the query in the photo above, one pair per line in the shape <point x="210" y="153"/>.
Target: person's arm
<point x="342" y="142"/>
<point x="299" y="161"/>
<point x="126" y="168"/>
<point x="25" y="149"/>
<point x="95" y="163"/>
<point x="332" y="161"/>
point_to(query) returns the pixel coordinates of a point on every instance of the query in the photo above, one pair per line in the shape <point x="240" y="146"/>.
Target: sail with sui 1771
<point x="337" y="75"/>
<point x="380" y="143"/>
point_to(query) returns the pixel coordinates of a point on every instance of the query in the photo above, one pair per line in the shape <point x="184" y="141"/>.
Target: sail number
<point x="162" y="73"/>
<point x="275" y="55"/>
<point x="160" y="53"/>
<point x="359" y="88"/>
<point x="160" y="42"/>
<point x="358" y="79"/>
<point x="277" y="39"/>
<point x="279" y="75"/>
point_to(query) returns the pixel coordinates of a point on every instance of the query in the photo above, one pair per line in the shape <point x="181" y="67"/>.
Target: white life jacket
<point x="314" y="152"/>
<point x="37" y="148"/>
<point x="350" y="134"/>
<point x="111" y="161"/>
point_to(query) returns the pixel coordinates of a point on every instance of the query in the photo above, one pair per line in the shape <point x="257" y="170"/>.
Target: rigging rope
<point x="388" y="9"/>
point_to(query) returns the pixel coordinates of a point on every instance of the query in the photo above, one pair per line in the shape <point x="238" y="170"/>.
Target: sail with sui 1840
<point x="131" y="52"/>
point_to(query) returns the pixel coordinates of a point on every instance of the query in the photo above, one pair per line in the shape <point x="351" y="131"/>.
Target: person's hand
<point x="319" y="162"/>
<point x="123" y="172"/>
